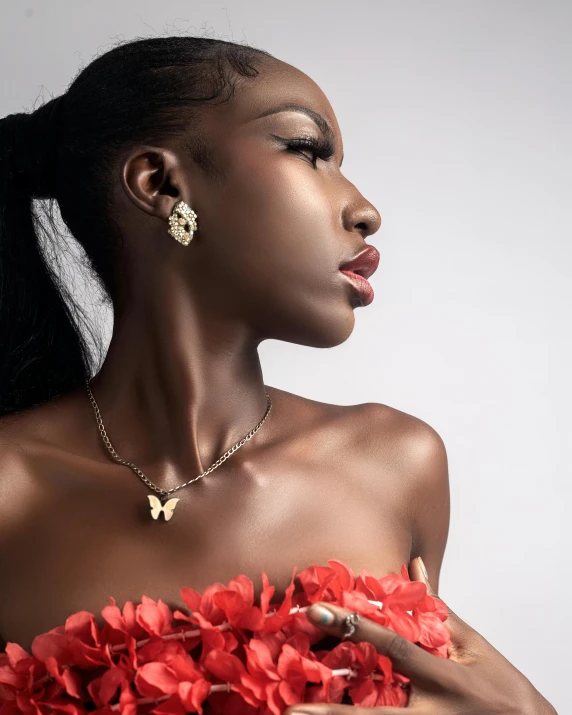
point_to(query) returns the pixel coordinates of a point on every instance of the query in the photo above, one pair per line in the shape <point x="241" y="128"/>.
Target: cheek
<point x="280" y="222"/>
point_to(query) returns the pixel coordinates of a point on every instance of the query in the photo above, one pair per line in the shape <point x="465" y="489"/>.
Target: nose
<point x="363" y="217"/>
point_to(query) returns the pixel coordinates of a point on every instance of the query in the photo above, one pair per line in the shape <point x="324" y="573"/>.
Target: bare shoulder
<point x="413" y="441"/>
<point x="16" y="481"/>
<point x="29" y="439"/>
<point x="396" y="454"/>
<point x="372" y="427"/>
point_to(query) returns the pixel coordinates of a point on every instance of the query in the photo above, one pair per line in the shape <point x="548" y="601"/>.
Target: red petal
<point x="292" y="691"/>
<point x="273" y="641"/>
<point x="341" y="656"/>
<point x="11" y="678"/>
<point x="315" y="581"/>
<point x="230" y="642"/>
<point x="154" y="617"/>
<point x="223" y="665"/>
<point x="364" y="695"/>
<point x="104" y="689"/>
<point x="16" y="654"/>
<point x="266" y="594"/>
<point x="171" y="706"/>
<point x="345" y="574"/>
<point x="70" y="680"/>
<point x="406" y="595"/>
<point x="433" y="632"/>
<point x="52" y="643"/>
<point x="259" y="661"/>
<point x="235" y="705"/>
<point x="231" y="602"/>
<point x="274" y="700"/>
<point x="193" y="695"/>
<point x="404" y="624"/>
<point x="209" y="610"/>
<point x="332" y="693"/>
<point x="366" y="657"/>
<point x="250" y="619"/>
<point x="252" y="689"/>
<point x="82" y="625"/>
<point x="212" y="639"/>
<point x="300" y="642"/>
<point x="112" y="615"/>
<point x="155" y="679"/>
<point x="184" y="668"/>
<point x="370" y="586"/>
<point x="191" y="598"/>
<point x="244" y="586"/>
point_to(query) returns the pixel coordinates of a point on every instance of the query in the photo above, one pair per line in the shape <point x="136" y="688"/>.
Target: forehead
<point x="277" y="85"/>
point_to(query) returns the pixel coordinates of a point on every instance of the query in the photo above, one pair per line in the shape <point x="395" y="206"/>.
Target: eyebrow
<point x="322" y="123"/>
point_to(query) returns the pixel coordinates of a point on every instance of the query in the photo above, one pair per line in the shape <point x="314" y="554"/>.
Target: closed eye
<point x="320" y="148"/>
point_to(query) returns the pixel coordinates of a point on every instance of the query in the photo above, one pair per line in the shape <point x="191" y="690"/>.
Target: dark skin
<point x="182" y="382"/>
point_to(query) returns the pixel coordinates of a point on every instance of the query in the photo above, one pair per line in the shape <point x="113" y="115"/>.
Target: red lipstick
<point x="359" y="269"/>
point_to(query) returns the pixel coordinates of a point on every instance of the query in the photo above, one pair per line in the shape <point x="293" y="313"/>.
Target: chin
<point x="322" y="331"/>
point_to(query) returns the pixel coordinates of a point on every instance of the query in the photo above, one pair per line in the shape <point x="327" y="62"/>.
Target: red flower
<point x="193" y="695"/>
<point x="124" y="621"/>
<point x="259" y="684"/>
<point x="154" y="617"/>
<point x="326" y="583"/>
<point x="242" y="657"/>
<point x="298" y="665"/>
<point x="104" y="689"/>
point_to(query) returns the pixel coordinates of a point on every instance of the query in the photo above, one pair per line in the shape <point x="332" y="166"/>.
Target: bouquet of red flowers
<point x="227" y="655"/>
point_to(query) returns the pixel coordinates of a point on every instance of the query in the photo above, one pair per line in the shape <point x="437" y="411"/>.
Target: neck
<point x="178" y="386"/>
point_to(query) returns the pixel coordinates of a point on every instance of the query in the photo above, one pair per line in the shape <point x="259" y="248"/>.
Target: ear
<point x="154" y="179"/>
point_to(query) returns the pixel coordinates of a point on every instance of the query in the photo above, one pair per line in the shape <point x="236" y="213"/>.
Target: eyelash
<point x="321" y="148"/>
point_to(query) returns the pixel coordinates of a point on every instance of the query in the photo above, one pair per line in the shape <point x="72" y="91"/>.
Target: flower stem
<point x="182" y="635"/>
<point x="226" y="687"/>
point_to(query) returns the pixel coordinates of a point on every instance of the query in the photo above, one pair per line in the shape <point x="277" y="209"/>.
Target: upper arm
<point x="415" y="454"/>
<point x="430" y="503"/>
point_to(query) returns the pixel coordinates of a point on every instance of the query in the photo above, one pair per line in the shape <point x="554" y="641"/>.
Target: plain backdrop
<point x="456" y="119"/>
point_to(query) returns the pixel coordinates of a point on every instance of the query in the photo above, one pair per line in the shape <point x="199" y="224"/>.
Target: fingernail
<point x="423" y="568"/>
<point x="321" y="615"/>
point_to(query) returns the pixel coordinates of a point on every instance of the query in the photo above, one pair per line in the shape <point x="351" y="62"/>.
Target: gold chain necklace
<point x="161" y="504"/>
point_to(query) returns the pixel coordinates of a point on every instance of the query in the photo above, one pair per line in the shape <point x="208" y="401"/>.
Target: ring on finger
<point x="350" y="623"/>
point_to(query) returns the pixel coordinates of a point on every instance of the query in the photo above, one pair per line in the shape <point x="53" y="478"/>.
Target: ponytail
<point x="68" y="150"/>
<point x="42" y="353"/>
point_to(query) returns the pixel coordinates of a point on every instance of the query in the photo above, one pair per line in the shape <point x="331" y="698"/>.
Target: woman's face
<point x="275" y="229"/>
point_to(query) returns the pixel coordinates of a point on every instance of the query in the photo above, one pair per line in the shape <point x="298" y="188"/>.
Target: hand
<point x="475" y="679"/>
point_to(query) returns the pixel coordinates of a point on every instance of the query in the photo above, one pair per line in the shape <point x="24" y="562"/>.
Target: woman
<point x="202" y="179"/>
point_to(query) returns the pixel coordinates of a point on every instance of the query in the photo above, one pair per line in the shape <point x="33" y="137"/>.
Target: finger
<point x="409" y="659"/>
<point x="418" y="572"/>
<point x="465" y="639"/>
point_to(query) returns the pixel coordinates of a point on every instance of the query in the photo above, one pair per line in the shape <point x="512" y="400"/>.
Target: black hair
<point x="142" y="91"/>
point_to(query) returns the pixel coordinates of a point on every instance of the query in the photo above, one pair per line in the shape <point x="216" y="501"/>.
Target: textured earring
<point x="182" y="223"/>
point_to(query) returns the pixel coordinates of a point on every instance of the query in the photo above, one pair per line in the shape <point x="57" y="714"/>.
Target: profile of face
<point x="275" y="229"/>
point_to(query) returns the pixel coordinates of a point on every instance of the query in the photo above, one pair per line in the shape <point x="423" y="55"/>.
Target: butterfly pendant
<point x="156" y="507"/>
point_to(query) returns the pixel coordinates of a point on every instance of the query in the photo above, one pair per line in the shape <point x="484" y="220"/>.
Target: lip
<point x="359" y="269"/>
<point x="362" y="287"/>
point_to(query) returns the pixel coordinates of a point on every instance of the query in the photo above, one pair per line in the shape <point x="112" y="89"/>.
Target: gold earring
<point x="182" y="223"/>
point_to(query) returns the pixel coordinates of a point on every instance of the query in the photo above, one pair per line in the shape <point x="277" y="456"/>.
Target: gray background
<point x="456" y="122"/>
